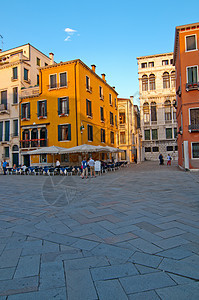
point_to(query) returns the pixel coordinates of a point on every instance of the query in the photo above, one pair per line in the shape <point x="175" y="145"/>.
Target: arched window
<point x="153" y="112"/>
<point x="173" y="79"/>
<point x="15" y="148"/>
<point x="167" y="109"/>
<point x="146" y="112"/>
<point x="25" y="138"/>
<point x="166" y="80"/>
<point x="34" y="137"/>
<point x="152" y="82"/>
<point x="144" y="83"/>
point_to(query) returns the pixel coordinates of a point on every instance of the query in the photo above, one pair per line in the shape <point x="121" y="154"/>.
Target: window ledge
<point x="63" y="115"/>
<point x="90" y="117"/>
<point x="14" y="104"/>
<point x="25" y="119"/>
<point x="42" y="117"/>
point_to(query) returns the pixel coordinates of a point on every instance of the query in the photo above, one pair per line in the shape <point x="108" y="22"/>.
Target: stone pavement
<point x="129" y="234"/>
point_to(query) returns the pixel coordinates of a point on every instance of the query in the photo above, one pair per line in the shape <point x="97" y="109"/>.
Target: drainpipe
<point x="76" y="104"/>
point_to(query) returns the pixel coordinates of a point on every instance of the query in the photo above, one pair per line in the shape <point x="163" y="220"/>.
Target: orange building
<point x="186" y="61"/>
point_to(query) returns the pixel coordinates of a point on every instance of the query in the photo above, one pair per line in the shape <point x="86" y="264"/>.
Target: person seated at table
<point x="24" y="169"/>
<point x="57" y="164"/>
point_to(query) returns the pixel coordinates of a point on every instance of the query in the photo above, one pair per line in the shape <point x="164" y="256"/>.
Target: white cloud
<point x="68" y="39"/>
<point x="70" y="31"/>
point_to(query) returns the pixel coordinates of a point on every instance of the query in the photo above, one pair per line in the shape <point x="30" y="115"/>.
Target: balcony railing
<point x="192" y="86"/>
<point x="194" y="127"/>
<point x="33" y="143"/>
<point x="89" y="89"/>
<point x="4" y="108"/>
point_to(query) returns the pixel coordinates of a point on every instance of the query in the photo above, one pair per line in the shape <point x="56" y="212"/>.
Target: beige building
<point x="128" y="136"/>
<point x="19" y="70"/>
<point x="157" y="111"/>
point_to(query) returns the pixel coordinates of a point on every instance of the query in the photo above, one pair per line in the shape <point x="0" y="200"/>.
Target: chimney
<point x="131" y="98"/>
<point x="93" y="68"/>
<point x="113" y="87"/>
<point x="51" y="56"/>
<point x="103" y="77"/>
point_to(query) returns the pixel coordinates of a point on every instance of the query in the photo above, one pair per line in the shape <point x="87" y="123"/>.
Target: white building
<point x="19" y="70"/>
<point x="157" y="101"/>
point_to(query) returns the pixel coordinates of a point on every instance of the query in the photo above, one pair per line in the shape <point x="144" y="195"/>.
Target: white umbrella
<point x="112" y="149"/>
<point x="48" y="150"/>
<point x="82" y="149"/>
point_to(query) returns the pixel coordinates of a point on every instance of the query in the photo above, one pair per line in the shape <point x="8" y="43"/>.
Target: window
<point x="14" y="73"/>
<point x="63" y="106"/>
<point x="122" y="117"/>
<point x="15" y="127"/>
<point x="155" y="149"/>
<point x="111" y="118"/>
<point x="87" y="83"/>
<point x="195" y="150"/>
<point x="1" y="131"/>
<point x="123" y="155"/>
<point x="151" y="64"/>
<point x="65" y="157"/>
<point x="169" y="148"/>
<point x="90" y="133"/>
<point x="101" y="93"/>
<point x="102" y="114"/>
<point x="171" y="61"/>
<point x="192" y="75"/>
<point x="53" y="81"/>
<point x="143" y="65"/>
<point x="15" y="95"/>
<point x="122" y="137"/>
<point x="43" y="158"/>
<point x="144" y="83"/>
<point x="43" y="137"/>
<point x="34" y="137"/>
<point x="147" y="149"/>
<point x="176" y="148"/>
<point x="194" y="116"/>
<point x="42" y="108"/>
<point x="37" y="79"/>
<point x="173" y="79"/>
<point x="15" y="148"/>
<point x="88" y="108"/>
<point x="64" y="132"/>
<point x="25" y="74"/>
<point x="153" y="112"/>
<point x="102" y="135"/>
<point x="7" y="131"/>
<point x="154" y="134"/>
<point x="110" y="99"/>
<point x="115" y="120"/>
<point x="25" y="111"/>
<point x="46" y="64"/>
<point x="6" y="152"/>
<point x="152" y="82"/>
<point x="38" y="62"/>
<point x="174" y="114"/>
<point x="63" y="79"/>
<point x="168" y="133"/>
<point x="147" y="134"/>
<point x="175" y="132"/>
<point x="165" y="62"/>
<point x="4" y="100"/>
<point x="167" y="108"/>
<point x="115" y="103"/>
<point x="166" y="80"/>
<point x="25" y="138"/>
<point x="112" y="137"/>
<point x="146" y="112"/>
<point x="191" y="42"/>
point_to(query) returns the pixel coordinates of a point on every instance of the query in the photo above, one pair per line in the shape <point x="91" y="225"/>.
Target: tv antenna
<point x="1" y="42"/>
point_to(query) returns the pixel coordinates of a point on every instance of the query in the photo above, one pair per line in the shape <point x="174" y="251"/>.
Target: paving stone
<point x="52" y="273"/>
<point x="110" y="290"/>
<point x="19" y="285"/>
<point x="85" y="263"/>
<point x="175" y="253"/>
<point x="145" y="270"/>
<point x="80" y="285"/>
<point x="57" y="294"/>
<point x="180" y="279"/>
<point x="148" y="227"/>
<point x="151" y="295"/>
<point x="62" y="255"/>
<point x="145" y="246"/>
<point x="27" y="266"/>
<point x="9" y="258"/>
<point x="171" y="232"/>
<point x="112" y="272"/>
<point x="141" y="283"/>
<point x="6" y="273"/>
<point x="84" y="244"/>
<point x="145" y="259"/>
<point x="112" y="251"/>
<point x="60" y="238"/>
<point x="182" y="292"/>
<point x="171" y="242"/>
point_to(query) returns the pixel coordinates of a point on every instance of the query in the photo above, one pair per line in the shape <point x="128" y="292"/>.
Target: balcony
<point x="30" y="92"/>
<point x="33" y="143"/>
<point x="122" y="126"/>
<point x="192" y="86"/>
<point x="4" y="109"/>
<point x="101" y="97"/>
<point x="89" y="89"/>
<point x="194" y="127"/>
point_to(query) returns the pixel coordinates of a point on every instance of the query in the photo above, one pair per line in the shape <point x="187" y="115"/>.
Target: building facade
<point x="157" y="111"/>
<point x="19" y="69"/>
<point x="128" y="135"/>
<point x="186" y="62"/>
<point x="74" y="106"/>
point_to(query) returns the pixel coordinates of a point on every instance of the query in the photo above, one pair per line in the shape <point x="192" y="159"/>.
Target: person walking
<point x="91" y="164"/>
<point x="84" y="168"/>
<point x="161" y="159"/>
<point x="4" y="167"/>
<point x="168" y="160"/>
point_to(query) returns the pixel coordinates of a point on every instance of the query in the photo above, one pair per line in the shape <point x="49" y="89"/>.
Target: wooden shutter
<point x="59" y="132"/>
<point x="69" y="132"/>
<point x="59" y="106"/>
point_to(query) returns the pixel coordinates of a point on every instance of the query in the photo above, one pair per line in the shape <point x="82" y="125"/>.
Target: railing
<point x="89" y="89"/>
<point x="14" y="78"/>
<point x="33" y="143"/>
<point x="192" y="86"/>
<point x="4" y="108"/>
<point x="194" y="127"/>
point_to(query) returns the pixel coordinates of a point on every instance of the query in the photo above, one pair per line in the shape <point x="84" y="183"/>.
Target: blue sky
<point x="109" y="34"/>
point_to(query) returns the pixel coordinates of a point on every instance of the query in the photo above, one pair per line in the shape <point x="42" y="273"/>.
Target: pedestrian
<point x="84" y="168"/>
<point x="4" y="167"/>
<point x="161" y="159"/>
<point x="168" y="160"/>
<point x="91" y="164"/>
<point x="57" y="164"/>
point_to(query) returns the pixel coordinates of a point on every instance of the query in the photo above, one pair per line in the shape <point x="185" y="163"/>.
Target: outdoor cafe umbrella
<point x="85" y="148"/>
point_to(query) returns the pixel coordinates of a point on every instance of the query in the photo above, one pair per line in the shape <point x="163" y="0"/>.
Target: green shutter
<point x="1" y="131"/>
<point x="7" y="130"/>
<point x="45" y="101"/>
<point x="69" y="132"/>
<point x="38" y="109"/>
<point x="91" y="133"/>
<point x="59" y="132"/>
<point x="86" y="107"/>
<point x="67" y="105"/>
<point x="59" y="106"/>
<point x="28" y="110"/>
<point x="22" y="116"/>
